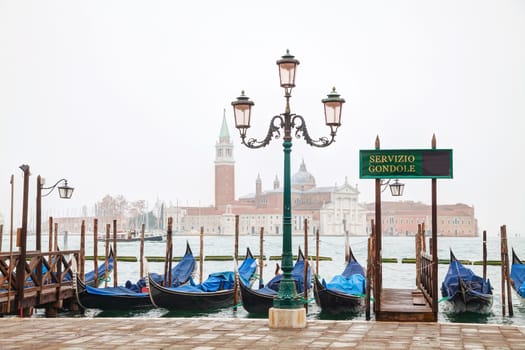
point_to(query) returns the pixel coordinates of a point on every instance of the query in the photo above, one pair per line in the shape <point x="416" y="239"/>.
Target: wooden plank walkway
<point x="236" y="333"/>
<point x="407" y="305"/>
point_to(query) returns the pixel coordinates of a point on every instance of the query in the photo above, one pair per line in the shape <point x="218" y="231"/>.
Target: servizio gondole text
<point x="392" y="163"/>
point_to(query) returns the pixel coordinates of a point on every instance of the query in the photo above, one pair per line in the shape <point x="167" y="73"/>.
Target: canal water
<point x="395" y="275"/>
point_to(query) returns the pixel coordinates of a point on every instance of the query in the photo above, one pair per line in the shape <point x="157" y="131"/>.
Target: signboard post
<point x="409" y="164"/>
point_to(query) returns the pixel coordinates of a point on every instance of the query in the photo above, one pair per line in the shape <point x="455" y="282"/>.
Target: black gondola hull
<point x="112" y="302"/>
<point x="253" y="301"/>
<point x="189" y="301"/>
<point x="470" y="303"/>
<point x="256" y="302"/>
<point x="465" y="295"/>
<point x="335" y="302"/>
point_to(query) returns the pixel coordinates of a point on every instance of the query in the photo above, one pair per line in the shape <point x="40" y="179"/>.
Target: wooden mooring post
<point x="55" y="240"/>
<point x="106" y="272"/>
<point x="317" y="252"/>
<point x="305" y="277"/>
<point x="50" y="234"/>
<point x="95" y="250"/>
<point x="236" y="259"/>
<point x="169" y="255"/>
<point x="369" y="272"/>
<point x="484" y="254"/>
<point x="82" y="261"/>
<point x="11" y="262"/>
<point x="142" y="232"/>
<point x="21" y="266"/>
<point x="170" y="259"/>
<point x="506" y="293"/>
<point x="115" y="271"/>
<point x="423" y="239"/>
<point x="201" y="255"/>
<point x="261" y="257"/>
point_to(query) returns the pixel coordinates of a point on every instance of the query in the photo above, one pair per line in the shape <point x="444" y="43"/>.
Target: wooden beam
<point x="434" y="248"/>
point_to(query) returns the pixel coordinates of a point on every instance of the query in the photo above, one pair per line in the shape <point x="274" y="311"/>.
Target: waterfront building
<point x="402" y="219"/>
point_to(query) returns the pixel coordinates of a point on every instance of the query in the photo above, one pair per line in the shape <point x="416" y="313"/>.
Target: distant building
<point x="402" y="219"/>
<point x="72" y="224"/>
<point x="224" y="167"/>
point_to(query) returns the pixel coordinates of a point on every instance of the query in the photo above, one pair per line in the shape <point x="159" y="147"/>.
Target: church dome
<point x="303" y="180"/>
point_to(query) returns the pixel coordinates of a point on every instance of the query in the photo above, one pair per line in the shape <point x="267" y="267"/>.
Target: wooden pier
<point x="404" y="305"/>
<point x="37" y="280"/>
<point x="416" y="305"/>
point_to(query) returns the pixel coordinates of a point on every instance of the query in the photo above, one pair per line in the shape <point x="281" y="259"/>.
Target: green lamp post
<point x="287" y="297"/>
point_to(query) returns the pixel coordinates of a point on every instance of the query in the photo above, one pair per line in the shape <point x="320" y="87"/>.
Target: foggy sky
<point x="127" y="97"/>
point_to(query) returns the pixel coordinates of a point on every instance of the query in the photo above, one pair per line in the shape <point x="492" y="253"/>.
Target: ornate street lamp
<point x="287" y="297"/>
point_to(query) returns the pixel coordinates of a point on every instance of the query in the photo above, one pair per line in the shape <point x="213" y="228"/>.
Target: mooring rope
<point x="442" y="299"/>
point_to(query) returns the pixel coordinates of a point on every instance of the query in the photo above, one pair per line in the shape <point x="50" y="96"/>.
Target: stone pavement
<point x="214" y="333"/>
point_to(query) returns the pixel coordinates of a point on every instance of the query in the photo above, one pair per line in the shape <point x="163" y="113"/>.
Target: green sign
<point x="405" y="163"/>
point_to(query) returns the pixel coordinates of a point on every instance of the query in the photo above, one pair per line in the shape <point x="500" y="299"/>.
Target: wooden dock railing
<point x="424" y="266"/>
<point x="425" y="276"/>
<point x="47" y="279"/>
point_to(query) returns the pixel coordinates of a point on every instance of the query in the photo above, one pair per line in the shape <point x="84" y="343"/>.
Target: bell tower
<point x="224" y="167"/>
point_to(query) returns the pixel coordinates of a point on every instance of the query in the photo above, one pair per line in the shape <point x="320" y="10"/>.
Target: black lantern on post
<point x="65" y="192"/>
<point x="396" y="189"/>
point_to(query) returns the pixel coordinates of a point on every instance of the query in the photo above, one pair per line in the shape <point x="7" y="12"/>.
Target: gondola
<point x="259" y="301"/>
<point x="133" y="296"/>
<point x="464" y="290"/>
<point x="89" y="277"/>
<point x="214" y="293"/>
<point x="517" y="275"/>
<point x="344" y="293"/>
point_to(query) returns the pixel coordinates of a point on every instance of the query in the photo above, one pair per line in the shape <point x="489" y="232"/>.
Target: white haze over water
<point x="127" y="97"/>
